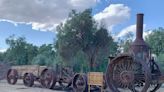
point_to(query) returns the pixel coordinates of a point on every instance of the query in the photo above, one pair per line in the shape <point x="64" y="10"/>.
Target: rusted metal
<point x="48" y="78"/>
<point x="62" y="75"/>
<point x="12" y="76"/>
<point x="139" y="48"/>
<point x="28" y="79"/>
<point x="156" y="75"/>
<point x="123" y="72"/>
<point x="79" y="83"/>
<point x="136" y="70"/>
<point x="65" y="77"/>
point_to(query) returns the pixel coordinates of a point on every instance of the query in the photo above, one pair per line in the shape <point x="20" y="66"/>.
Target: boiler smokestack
<point x="139" y="48"/>
<point x="139" y="26"/>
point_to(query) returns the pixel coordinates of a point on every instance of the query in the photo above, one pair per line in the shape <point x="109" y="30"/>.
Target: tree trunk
<point x="93" y="59"/>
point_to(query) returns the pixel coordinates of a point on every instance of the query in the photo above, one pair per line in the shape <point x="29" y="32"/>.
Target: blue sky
<point x="38" y="22"/>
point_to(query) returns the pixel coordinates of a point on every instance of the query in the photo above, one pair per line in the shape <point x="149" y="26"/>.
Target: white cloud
<point x="132" y="29"/>
<point x="2" y="50"/>
<point x="112" y="15"/>
<point x="41" y="14"/>
<point x="146" y="33"/>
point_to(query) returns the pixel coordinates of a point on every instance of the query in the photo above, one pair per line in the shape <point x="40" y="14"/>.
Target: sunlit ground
<point x="19" y="87"/>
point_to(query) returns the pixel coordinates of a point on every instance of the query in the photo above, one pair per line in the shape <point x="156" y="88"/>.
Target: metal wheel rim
<point x="28" y="79"/>
<point x="12" y="76"/>
<point x="110" y="81"/>
<point x="76" y="79"/>
<point x="48" y="79"/>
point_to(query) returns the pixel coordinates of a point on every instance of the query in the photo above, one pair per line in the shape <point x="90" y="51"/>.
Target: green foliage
<point x="17" y="50"/>
<point x="45" y="56"/>
<point x="79" y="62"/>
<point x="32" y="51"/>
<point x="160" y="61"/>
<point x="1" y="56"/>
<point x="80" y="34"/>
<point x="156" y="41"/>
<point x="125" y="42"/>
<point x="40" y="60"/>
<point x="22" y="53"/>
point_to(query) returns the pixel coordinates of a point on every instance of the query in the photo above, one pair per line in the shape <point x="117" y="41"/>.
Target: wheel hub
<point x="127" y="77"/>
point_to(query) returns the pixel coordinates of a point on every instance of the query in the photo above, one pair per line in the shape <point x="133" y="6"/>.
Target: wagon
<point x="61" y="75"/>
<point x="29" y="74"/>
<point x="65" y="77"/>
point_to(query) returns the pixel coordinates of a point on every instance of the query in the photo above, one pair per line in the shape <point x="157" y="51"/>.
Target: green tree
<point x="125" y="42"/>
<point x="1" y="56"/>
<point x="46" y="55"/>
<point x="32" y="51"/>
<point x="160" y="61"/>
<point x="80" y="33"/>
<point x="19" y="52"/>
<point x="156" y="41"/>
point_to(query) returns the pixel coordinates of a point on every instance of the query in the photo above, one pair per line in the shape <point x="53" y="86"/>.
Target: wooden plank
<point x="95" y="78"/>
<point x="34" y="69"/>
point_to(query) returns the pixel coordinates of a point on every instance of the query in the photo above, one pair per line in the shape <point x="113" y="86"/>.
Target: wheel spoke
<point x="126" y="74"/>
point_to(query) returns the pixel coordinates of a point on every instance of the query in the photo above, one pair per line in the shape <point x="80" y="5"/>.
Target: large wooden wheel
<point x="28" y="79"/>
<point x="124" y="74"/>
<point x="48" y="78"/>
<point x="79" y="83"/>
<point x="12" y="76"/>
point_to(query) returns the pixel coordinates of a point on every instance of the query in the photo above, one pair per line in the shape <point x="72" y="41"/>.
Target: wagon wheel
<point x="65" y="85"/>
<point x="80" y="83"/>
<point x="12" y="76"/>
<point x="28" y="79"/>
<point x="48" y="78"/>
<point x="156" y="87"/>
<point x="123" y="73"/>
<point x="156" y="72"/>
<point x="66" y="78"/>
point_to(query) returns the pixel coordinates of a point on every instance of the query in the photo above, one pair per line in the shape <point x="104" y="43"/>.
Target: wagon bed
<point x="34" y="69"/>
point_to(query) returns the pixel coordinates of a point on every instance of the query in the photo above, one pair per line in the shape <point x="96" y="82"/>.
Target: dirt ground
<point x="19" y="87"/>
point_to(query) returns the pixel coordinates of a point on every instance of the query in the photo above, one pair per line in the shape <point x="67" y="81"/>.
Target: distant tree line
<point x="81" y="44"/>
<point x="22" y="53"/>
